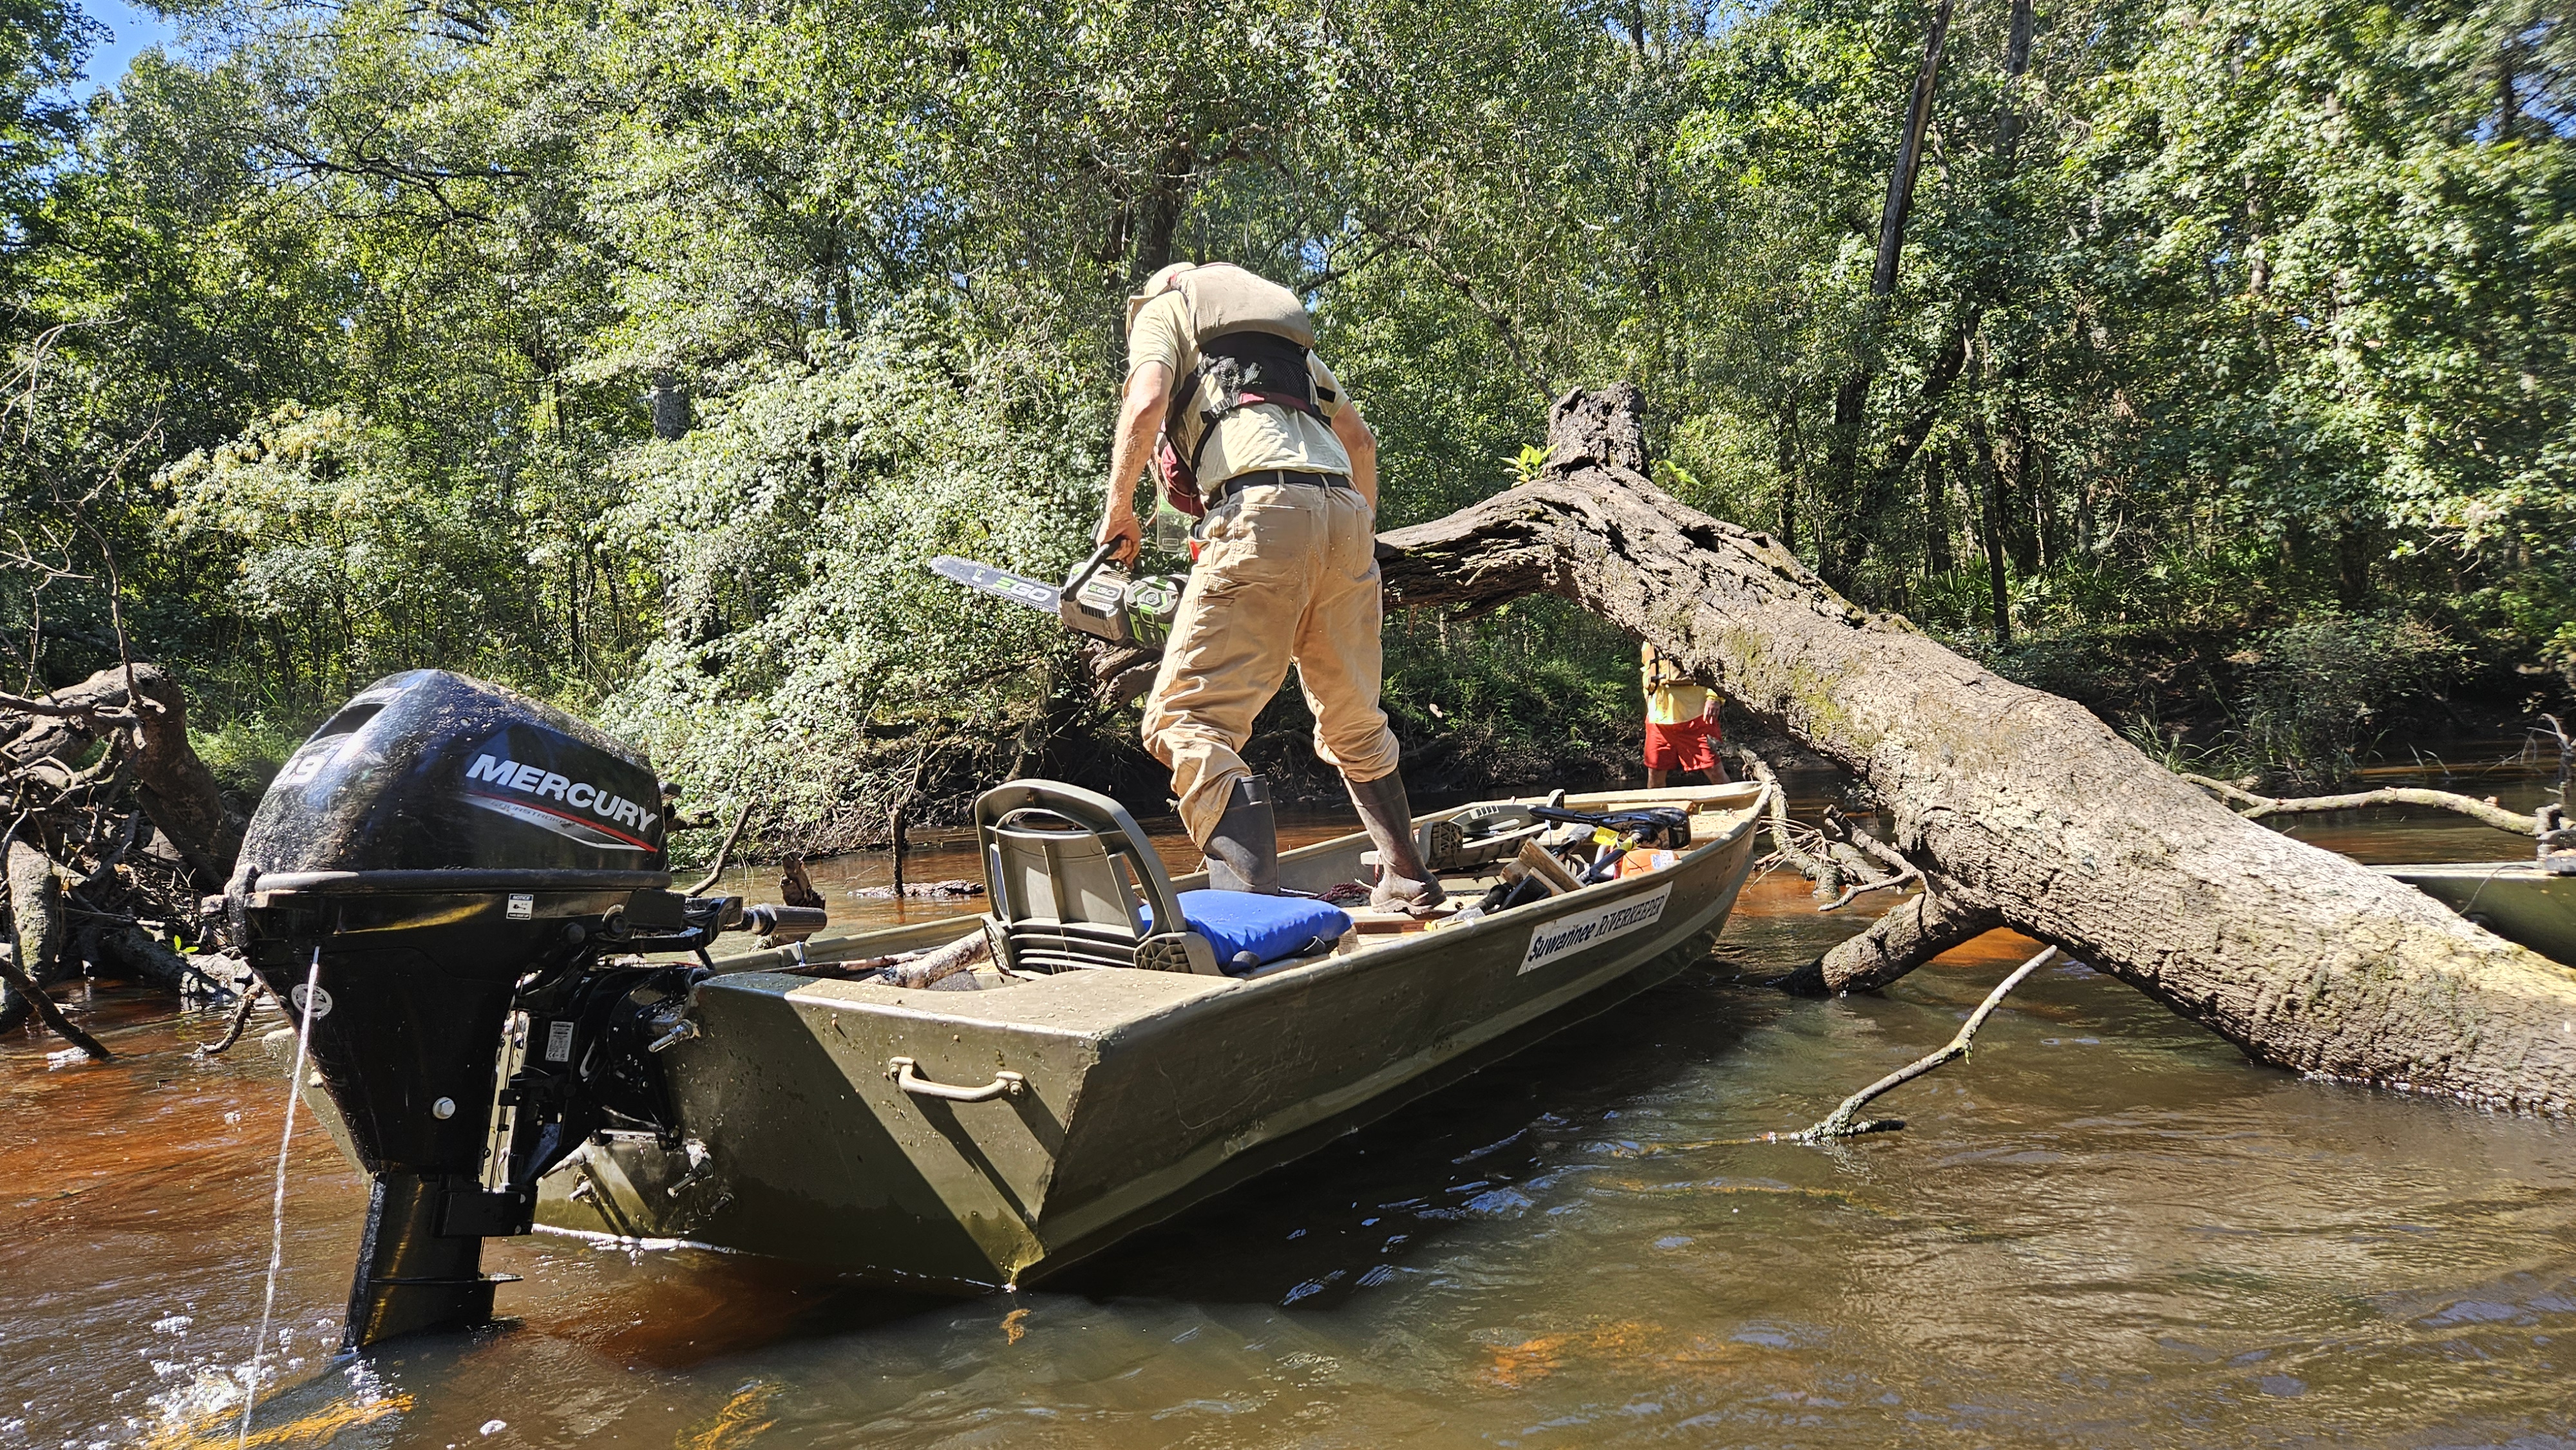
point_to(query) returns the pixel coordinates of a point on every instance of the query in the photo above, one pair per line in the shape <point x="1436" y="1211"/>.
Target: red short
<point x="1681" y="747"/>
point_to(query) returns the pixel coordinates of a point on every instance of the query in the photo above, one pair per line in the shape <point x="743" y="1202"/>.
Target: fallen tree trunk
<point x="2019" y="808"/>
<point x="171" y="783"/>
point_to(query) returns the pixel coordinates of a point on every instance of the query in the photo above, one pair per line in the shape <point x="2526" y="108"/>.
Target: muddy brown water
<point x="2105" y="1228"/>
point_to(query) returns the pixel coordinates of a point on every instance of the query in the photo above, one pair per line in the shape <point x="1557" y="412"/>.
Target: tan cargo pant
<point x="1286" y="574"/>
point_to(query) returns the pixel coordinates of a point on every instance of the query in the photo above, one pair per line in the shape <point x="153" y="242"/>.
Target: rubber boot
<point x="1243" y="850"/>
<point x="1403" y="882"/>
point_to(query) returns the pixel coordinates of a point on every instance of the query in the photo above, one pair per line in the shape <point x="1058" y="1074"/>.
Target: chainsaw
<point x="1097" y="598"/>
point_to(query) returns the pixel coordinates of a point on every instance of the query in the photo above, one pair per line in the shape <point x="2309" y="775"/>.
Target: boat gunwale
<point x="1749" y="818"/>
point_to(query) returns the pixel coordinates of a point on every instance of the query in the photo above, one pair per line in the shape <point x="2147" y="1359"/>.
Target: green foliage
<point x="808" y="660"/>
<point x="2315" y="691"/>
<point x="245" y="753"/>
<point x="1535" y="690"/>
<point x="42" y="44"/>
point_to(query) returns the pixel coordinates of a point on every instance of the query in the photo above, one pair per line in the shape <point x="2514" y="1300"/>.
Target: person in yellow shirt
<point x="1681" y="722"/>
<point x="1256" y="434"/>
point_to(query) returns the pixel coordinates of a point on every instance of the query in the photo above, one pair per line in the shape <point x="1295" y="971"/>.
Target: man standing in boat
<point x="1247" y="427"/>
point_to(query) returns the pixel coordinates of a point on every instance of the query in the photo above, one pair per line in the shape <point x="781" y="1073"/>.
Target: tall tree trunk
<point x="1936" y="517"/>
<point x="1919" y="424"/>
<point x="1832" y="518"/>
<point x="1851" y="400"/>
<point x="1789" y="471"/>
<point x="1990" y="530"/>
<point x="2356" y="543"/>
<point x="2016" y="62"/>
<point x="2017" y="802"/>
<point x="1909" y="157"/>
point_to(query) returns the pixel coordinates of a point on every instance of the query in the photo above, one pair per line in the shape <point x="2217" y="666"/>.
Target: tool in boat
<point x="1485" y="834"/>
<point x="1098" y="598"/>
<point x="483" y="883"/>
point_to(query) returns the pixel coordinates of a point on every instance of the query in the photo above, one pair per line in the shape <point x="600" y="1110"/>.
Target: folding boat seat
<point x="1074" y="884"/>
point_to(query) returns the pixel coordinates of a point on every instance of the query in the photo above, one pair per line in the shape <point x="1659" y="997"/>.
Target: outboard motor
<point x="469" y="882"/>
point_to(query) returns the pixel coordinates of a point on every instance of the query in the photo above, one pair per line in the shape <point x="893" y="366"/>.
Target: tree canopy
<point x="638" y="355"/>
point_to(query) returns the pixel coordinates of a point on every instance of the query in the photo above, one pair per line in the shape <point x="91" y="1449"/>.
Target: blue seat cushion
<point x="1269" y="927"/>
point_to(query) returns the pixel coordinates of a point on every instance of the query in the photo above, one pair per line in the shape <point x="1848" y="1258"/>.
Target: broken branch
<point x="1840" y="1122"/>
<point x="2256" y="807"/>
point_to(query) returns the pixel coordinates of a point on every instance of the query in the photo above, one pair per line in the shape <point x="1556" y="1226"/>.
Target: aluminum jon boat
<point x="969" y="1140"/>
<point x="514" y="1019"/>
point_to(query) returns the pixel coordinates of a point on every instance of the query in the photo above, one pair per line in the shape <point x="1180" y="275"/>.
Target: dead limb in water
<point x="32" y="878"/>
<point x="1844" y="861"/>
<point x="48" y="1013"/>
<point x="2257" y="807"/>
<point x="241" y="1019"/>
<point x="1786" y="848"/>
<point x="1840" y="1122"/>
<point x="146" y="728"/>
<point x="1913" y="932"/>
<point x="2017" y="806"/>
<point x="105" y="859"/>
<point x="1864" y="857"/>
<point x="724" y="853"/>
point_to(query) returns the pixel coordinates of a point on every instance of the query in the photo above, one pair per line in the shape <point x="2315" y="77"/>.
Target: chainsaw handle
<point x="1088" y="567"/>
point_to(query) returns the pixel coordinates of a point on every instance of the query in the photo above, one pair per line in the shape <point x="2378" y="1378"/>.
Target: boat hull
<point x="1141" y="1093"/>
<point x="2516" y="900"/>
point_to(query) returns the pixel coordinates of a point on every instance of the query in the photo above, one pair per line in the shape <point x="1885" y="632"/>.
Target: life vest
<point x="1253" y="339"/>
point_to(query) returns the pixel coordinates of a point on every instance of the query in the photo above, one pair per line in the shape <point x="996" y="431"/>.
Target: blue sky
<point x="135" y="29"/>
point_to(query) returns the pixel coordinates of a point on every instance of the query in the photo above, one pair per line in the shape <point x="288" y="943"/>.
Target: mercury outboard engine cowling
<point x="466" y="879"/>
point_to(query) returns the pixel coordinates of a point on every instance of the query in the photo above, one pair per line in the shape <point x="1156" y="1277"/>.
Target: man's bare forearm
<point x="1140" y="415"/>
<point x="1361" y="444"/>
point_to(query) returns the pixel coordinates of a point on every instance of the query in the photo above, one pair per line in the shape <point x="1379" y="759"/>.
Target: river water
<point x="2105" y="1228"/>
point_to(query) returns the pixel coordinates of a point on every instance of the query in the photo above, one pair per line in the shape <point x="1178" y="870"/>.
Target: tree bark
<point x="1909" y="156"/>
<point x="1936" y="518"/>
<point x="1851" y="542"/>
<point x="1990" y="531"/>
<point x="2018" y="802"/>
<point x="36" y="927"/>
<point x="2016" y="61"/>
<point x="1913" y="932"/>
<point x="170" y="782"/>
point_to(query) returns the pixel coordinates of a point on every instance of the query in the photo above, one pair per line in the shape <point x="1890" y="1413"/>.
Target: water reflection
<point x="2106" y="1228"/>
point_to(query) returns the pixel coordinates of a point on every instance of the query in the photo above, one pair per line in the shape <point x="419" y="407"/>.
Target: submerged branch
<point x="1839" y="1123"/>
<point x="241" y="1019"/>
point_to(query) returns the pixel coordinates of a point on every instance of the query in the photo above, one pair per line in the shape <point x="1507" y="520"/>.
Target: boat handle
<point x="908" y="1076"/>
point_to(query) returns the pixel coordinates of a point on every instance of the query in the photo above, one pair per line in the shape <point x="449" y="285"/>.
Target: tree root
<point x="1842" y="1122"/>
